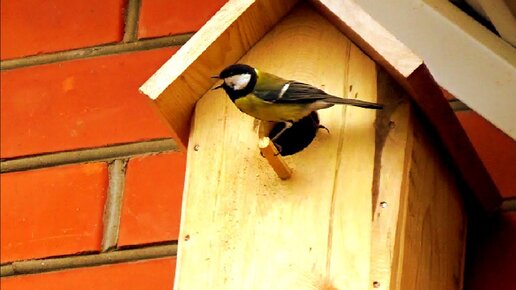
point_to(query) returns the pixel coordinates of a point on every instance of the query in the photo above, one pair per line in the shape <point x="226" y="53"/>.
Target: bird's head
<point x="239" y="79"/>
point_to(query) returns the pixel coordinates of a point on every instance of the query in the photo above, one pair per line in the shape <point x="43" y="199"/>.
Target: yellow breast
<point x="267" y="111"/>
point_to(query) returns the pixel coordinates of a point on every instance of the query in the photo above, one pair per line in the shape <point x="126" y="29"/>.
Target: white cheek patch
<point x="238" y="82"/>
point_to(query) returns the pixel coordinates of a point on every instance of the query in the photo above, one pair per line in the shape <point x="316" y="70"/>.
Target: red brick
<point x="151" y="211"/>
<point x="492" y="263"/>
<point x="495" y="148"/>
<point x="82" y="103"/>
<point x="164" y="17"/>
<point x="151" y="274"/>
<point x="54" y="211"/>
<point x="32" y="27"/>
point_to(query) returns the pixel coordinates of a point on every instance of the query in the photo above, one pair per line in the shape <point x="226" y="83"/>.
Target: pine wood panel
<point x="433" y="231"/>
<point x="243" y="227"/>
<point x="394" y="146"/>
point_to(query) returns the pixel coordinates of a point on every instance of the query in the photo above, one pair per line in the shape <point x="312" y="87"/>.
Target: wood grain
<point x="349" y="259"/>
<point x="242" y="227"/>
<point x="433" y="234"/>
<point x="395" y="153"/>
<point x="184" y="78"/>
<point x="419" y="232"/>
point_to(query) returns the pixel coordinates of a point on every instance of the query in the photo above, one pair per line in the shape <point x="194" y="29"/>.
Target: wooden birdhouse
<point x="380" y="201"/>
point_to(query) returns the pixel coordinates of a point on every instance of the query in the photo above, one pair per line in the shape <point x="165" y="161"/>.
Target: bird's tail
<point x="353" y="102"/>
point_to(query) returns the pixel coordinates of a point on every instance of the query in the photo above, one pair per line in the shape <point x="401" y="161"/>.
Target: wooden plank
<point x="433" y="231"/>
<point x="399" y="244"/>
<point x="243" y="227"/>
<point x="419" y="238"/>
<point x="184" y="78"/>
<point x="394" y="145"/>
<point x="348" y="258"/>
<point x="410" y="72"/>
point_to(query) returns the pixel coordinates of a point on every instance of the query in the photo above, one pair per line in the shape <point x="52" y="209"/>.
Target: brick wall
<point x="91" y="179"/>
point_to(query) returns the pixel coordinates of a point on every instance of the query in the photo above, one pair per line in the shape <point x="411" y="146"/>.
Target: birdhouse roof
<point x="237" y="26"/>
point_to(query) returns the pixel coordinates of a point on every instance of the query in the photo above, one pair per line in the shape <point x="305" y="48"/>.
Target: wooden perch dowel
<point x="270" y="152"/>
<point x="276" y="161"/>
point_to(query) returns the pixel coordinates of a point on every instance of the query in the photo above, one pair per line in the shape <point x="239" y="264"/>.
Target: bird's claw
<point x="323" y="127"/>
<point x="278" y="147"/>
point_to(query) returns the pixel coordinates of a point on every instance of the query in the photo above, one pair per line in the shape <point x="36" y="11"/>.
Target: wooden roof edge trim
<point x="370" y="36"/>
<point x="430" y="99"/>
<point x="193" y="48"/>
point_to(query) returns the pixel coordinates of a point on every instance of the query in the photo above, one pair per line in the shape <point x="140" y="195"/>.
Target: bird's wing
<point x="296" y="92"/>
<point x="300" y="93"/>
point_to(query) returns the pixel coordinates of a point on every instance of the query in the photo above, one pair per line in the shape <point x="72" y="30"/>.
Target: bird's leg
<point x="288" y="124"/>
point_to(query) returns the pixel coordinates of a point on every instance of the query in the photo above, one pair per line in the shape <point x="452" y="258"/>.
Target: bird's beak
<point x="218" y="87"/>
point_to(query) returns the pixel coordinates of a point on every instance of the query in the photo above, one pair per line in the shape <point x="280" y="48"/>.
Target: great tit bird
<point x="270" y="98"/>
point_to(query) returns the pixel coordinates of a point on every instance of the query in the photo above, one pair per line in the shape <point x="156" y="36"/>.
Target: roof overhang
<point x="467" y="59"/>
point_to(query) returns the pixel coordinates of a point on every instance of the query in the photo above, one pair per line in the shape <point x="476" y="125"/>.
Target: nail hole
<point x="196" y="147"/>
<point x="376" y="284"/>
<point x="392" y="124"/>
<point x="383" y="204"/>
<point x="187" y="237"/>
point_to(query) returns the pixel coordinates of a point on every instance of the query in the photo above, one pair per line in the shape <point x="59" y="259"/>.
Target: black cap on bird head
<point x="239" y="80"/>
<point x="236" y="69"/>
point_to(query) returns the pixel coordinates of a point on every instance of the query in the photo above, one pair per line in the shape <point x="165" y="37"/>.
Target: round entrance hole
<point x="297" y="137"/>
